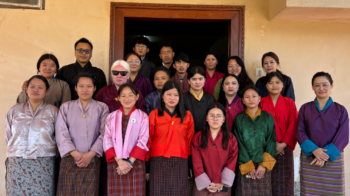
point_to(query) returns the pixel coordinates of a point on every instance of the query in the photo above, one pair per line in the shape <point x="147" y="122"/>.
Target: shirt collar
<point x="129" y="114"/>
<point x="258" y="113"/>
<point x="329" y="102"/>
<point x="195" y="96"/>
<point x="233" y="101"/>
<point x="170" y="114"/>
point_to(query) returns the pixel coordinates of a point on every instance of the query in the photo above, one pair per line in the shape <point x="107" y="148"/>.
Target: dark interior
<point x="192" y="38"/>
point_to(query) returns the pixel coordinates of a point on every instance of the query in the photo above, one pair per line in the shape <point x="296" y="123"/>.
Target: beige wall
<point x="303" y="47"/>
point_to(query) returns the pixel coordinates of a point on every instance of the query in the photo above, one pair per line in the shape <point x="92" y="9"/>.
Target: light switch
<point x="259" y="72"/>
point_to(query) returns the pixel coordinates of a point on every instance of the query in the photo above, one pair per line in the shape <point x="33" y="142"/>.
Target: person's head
<point x="322" y="84"/>
<point x="270" y="62"/>
<point x="141" y="46"/>
<point x="215" y="119"/>
<point x="171" y="98"/>
<point x="197" y="77"/>
<point x="229" y="87"/>
<point x="47" y="65"/>
<point x="211" y="60"/>
<point x="181" y="63"/>
<point x="235" y="65"/>
<point x="161" y="76"/>
<point x="134" y="61"/>
<point x="166" y="52"/>
<point x="83" y="50"/>
<point x="274" y="83"/>
<point x="120" y="71"/>
<point x="128" y="95"/>
<point x="85" y="85"/>
<point x="251" y="97"/>
<point x="38" y="86"/>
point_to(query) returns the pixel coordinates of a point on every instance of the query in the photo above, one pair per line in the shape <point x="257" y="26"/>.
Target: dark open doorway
<point x="192" y="38"/>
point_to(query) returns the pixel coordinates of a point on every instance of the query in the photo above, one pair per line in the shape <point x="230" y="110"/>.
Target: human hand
<point x="252" y="174"/>
<point x="212" y="188"/>
<point x="280" y="148"/>
<point x="76" y="155"/>
<point x="147" y="176"/>
<point x="317" y="163"/>
<point x="219" y="186"/>
<point x="86" y="159"/>
<point x="320" y="154"/>
<point x="123" y="167"/>
<point x="25" y="85"/>
<point x="260" y="172"/>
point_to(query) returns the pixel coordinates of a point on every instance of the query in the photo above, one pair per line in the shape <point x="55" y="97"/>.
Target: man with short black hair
<point x="141" y="47"/>
<point x="83" y="53"/>
<point x="181" y="64"/>
<point x="166" y="53"/>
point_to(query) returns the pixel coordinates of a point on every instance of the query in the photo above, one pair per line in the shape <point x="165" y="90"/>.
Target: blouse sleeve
<point x="228" y="173"/>
<point x="148" y="104"/>
<point x="190" y="132"/>
<point x="201" y="178"/>
<point x="141" y="149"/>
<point x="290" y="138"/>
<point x="289" y="89"/>
<point x="8" y="125"/>
<point x="63" y="139"/>
<point x="98" y="145"/>
<point x="152" y="123"/>
<point x="245" y="162"/>
<point x="341" y="138"/>
<point x="217" y="89"/>
<point x="270" y="147"/>
<point x="108" y="146"/>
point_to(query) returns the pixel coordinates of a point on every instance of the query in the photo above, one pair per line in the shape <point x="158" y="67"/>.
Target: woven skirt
<point x="249" y="187"/>
<point x="168" y="176"/>
<point x="30" y="176"/>
<point x="74" y="180"/>
<point x="326" y="180"/>
<point x="205" y="192"/>
<point x="282" y="175"/>
<point x="131" y="184"/>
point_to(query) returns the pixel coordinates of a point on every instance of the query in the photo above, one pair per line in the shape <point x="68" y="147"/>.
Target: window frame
<point x="39" y="6"/>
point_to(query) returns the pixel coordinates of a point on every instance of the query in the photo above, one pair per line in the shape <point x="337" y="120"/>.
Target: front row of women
<point x="264" y="136"/>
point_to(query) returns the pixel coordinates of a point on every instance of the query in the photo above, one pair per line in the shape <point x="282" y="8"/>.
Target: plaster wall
<point x="303" y="47"/>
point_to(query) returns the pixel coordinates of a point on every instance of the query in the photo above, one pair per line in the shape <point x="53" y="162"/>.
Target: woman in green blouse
<point x="256" y="137"/>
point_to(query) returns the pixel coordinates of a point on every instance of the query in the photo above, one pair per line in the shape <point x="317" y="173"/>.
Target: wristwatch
<point x="130" y="162"/>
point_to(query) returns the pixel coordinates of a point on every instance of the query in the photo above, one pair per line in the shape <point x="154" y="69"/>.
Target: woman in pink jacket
<point x="125" y="145"/>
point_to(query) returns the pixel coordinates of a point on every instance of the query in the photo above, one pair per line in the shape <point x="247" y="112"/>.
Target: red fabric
<point x="110" y="154"/>
<point x="185" y="86"/>
<point x="168" y="137"/>
<point x="236" y="108"/>
<point x="133" y="109"/>
<point x="213" y="159"/>
<point x="285" y="115"/>
<point x="210" y="83"/>
<point x="138" y="153"/>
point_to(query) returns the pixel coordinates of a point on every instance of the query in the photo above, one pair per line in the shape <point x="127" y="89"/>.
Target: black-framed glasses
<point x="137" y="62"/>
<point x="81" y="51"/>
<point x="122" y="73"/>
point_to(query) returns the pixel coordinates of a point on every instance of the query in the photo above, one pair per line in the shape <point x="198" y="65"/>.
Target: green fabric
<point x="254" y="137"/>
<point x="217" y="89"/>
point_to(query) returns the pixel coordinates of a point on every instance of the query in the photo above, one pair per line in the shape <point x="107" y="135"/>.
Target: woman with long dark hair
<point x="285" y="114"/>
<point x="212" y="76"/>
<point x="270" y="63"/>
<point x="171" y="132"/>
<point x="235" y="66"/>
<point x="214" y="154"/>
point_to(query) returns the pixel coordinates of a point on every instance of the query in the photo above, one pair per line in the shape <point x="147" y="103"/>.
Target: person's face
<point x="83" y="57"/>
<point x="166" y="54"/>
<point x="275" y="86"/>
<point x="118" y="80"/>
<point x="85" y="88"/>
<point x="322" y="87"/>
<point x="215" y="118"/>
<point x="181" y="66"/>
<point x="48" y="68"/>
<point x="270" y="64"/>
<point x="171" y="98"/>
<point x="36" y="90"/>
<point x="127" y="98"/>
<point x="160" y="78"/>
<point x="197" y="82"/>
<point x="251" y="99"/>
<point x="141" y="49"/>
<point x="234" y="68"/>
<point x="210" y="62"/>
<point x="230" y="86"/>
<point x="134" y="63"/>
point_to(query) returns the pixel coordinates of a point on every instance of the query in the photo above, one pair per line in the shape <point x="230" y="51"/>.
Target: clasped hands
<point x="123" y="166"/>
<point x="320" y="157"/>
<point x="82" y="159"/>
<point x="258" y="173"/>
<point x="215" y="187"/>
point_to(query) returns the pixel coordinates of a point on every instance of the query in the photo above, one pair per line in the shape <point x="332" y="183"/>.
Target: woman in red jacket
<point x="171" y="131"/>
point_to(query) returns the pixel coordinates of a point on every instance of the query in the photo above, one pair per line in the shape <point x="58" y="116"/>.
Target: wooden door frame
<point x="174" y="12"/>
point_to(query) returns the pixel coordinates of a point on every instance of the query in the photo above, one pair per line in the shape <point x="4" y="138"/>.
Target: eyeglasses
<point x="140" y="46"/>
<point x="137" y="62"/>
<point x="81" y="51"/>
<point x="122" y="73"/>
<point x="212" y="116"/>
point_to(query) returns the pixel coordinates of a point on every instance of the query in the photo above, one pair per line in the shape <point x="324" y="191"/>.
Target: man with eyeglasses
<point x="141" y="47"/>
<point x="83" y="54"/>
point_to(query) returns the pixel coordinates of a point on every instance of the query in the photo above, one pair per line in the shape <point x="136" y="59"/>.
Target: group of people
<point x="171" y="129"/>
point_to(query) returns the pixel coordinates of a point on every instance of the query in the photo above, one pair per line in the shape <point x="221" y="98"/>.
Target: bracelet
<point x="130" y="162"/>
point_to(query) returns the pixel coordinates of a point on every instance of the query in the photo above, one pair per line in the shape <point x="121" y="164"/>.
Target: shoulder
<point x="101" y="105"/>
<point x="67" y="104"/>
<point x="106" y="88"/>
<point x="266" y="114"/>
<point x="209" y="97"/>
<point x="232" y="138"/>
<point x="97" y="69"/>
<point x="17" y="107"/>
<point x="189" y="115"/>
<point x="153" y="114"/>
<point x="66" y="67"/>
<point x="307" y="105"/>
<point x="197" y="136"/>
<point x="63" y="83"/>
<point x="261" y="80"/>
<point x="340" y="107"/>
<point x="141" y="113"/>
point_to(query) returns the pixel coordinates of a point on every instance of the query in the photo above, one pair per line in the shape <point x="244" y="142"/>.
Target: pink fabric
<point x="210" y="83"/>
<point x="136" y="136"/>
<point x="202" y="181"/>
<point x="227" y="177"/>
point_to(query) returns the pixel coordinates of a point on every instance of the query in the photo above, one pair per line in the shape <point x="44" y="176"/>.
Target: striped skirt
<point x="168" y="176"/>
<point x="282" y="175"/>
<point x="326" y="180"/>
<point x="205" y="192"/>
<point x="30" y="176"/>
<point x="74" y="180"/>
<point x="248" y="186"/>
<point x="131" y="184"/>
